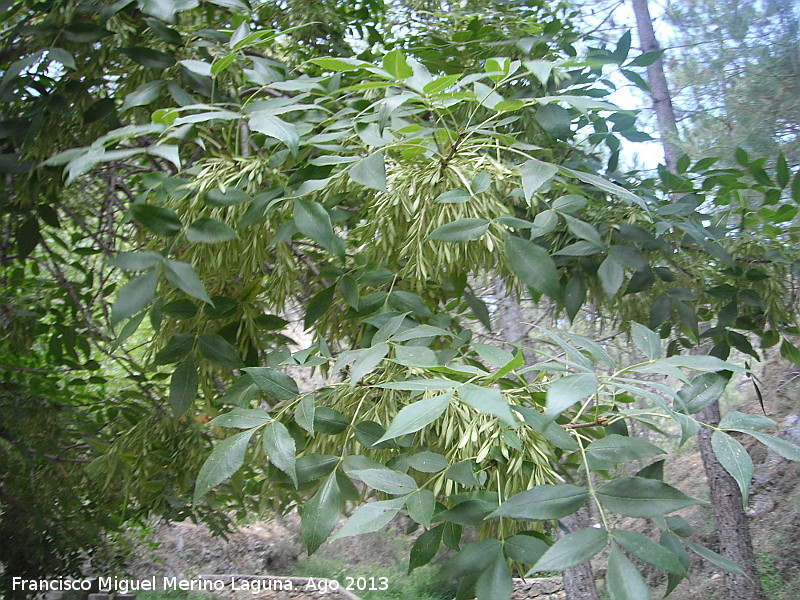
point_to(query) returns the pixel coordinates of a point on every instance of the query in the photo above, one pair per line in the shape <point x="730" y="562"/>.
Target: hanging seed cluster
<point x="508" y="460"/>
<point x="402" y="219"/>
<point x="258" y="276"/>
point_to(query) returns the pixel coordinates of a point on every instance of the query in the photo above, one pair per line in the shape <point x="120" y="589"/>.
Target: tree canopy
<point x="191" y="185"/>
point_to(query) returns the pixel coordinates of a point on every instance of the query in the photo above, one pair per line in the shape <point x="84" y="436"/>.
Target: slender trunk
<point x="732" y="528"/>
<point x="579" y="582"/>
<point x="726" y="500"/>
<point x="659" y="90"/>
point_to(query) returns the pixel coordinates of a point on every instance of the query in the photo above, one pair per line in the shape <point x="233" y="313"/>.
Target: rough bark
<point x="732" y="528"/>
<point x="659" y="90"/>
<point x="726" y="500"/>
<point x="579" y="581"/>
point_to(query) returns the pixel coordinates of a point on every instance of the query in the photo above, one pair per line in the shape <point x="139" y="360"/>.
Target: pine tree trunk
<point x="732" y="528"/>
<point x="659" y="90"/>
<point x="726" y="500"/>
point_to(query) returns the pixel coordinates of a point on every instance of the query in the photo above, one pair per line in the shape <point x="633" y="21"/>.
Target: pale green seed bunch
<point x="508" y="460"/>
<point x="259" y="276"/>
<point x="401" y="220"/>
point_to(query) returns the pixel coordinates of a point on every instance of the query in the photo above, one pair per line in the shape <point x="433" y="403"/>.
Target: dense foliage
<point x="222" y="174"/>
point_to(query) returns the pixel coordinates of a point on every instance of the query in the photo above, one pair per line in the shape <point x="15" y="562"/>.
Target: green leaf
<point x="623" y="579"/>
<point x="367" y="360"/>
<point x="473" y="558"/>
<point x="525" y="549"/>
<point x="177" y="348"/>
<point x="321" y="513"/>
<point x="311" y="467"/>
<point x="395" y="64"/>
<point x="640" y="497"/>
<point x="646" y="59"/>
<point x="606" y="186"/>
<point x="182" y="308"/>
<point x="714" y="558"/>
<point x="535" y="174"/>
<point x="566" y="391"/>
<point x="420" y="506"/>
<point x="440" y="84"/>
<point x="776" y="444"/>
<point x="623" y="47"/>
<point x="415" y="356"/>
<point x="226" y="458"/>
<point x="370" y="517"/>
<point x="552" y="432"/>
<point x="571" y="550"/>
<point x="243" y="418"/>
<point x="370" y="172"/>
<point x="461" y="230"/>
<point x="619" y="449"/>
<point x="385" y="480"/>
<point x="457" y="196"/>
<point x="276" y="128"/>
<point x="314" y="221"/>
<point x="279" y="446"/>
<point x="702" y="363"/>
<point x="789" y="351"/>
<point x="304" y="415"/>
<point x="148" y="57"/>
<point x="338" y="64"/>
<point x="495" y="582"/>
<point x="464" y="473"/>
<point x="648" y="551"/>
<point x="428" y="462"/>
<point x="183" y="387"/>
<point x="701" y="391"/>
<point x="348" y="288"/>
<point x="318" y="306"/>
<point x="743" y="422"/>
<point x="161" y="221"/>
<point x="555" y="120"/>
<point x="468" y="512"/>
<point x="415" y="416"/>
<point x="223" y="64"/>
<point x="418" y="384"/>
<point x="143" y="95"/>
<point x="182" y="276"/>
<point x="646" y="340"/>
<point x="136" y="261"/>
<point x="209" y="231"/>
<point x="611" y="276"/>
<point x="408" y="301"/>
<point x="330" y="421"/>
<point x="389" y="328"/>
<point x="732" y="455"/>
<point x="584" y="231"/>
<point x="425" y="547"/>
<point x="273" y="382"/>
<point x="533" y="265"/>
<point x="218" y="351"/>
<point x="489" y="401"/>
<point x="543" y="502"/>
<point x="570" y="203"/>
<point x="230" y="197"/>
<point x="134" y="296"/>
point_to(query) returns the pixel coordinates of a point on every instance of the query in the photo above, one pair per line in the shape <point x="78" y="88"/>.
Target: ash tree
<point x="224" y="174"/>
